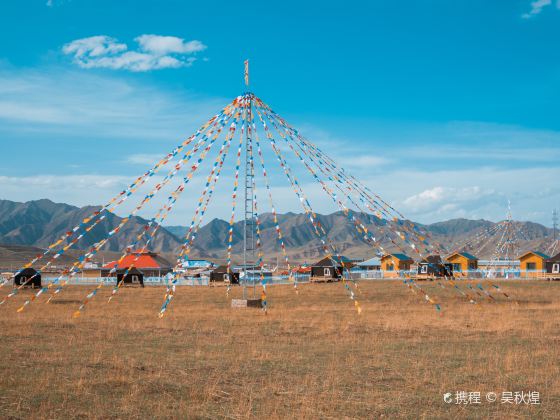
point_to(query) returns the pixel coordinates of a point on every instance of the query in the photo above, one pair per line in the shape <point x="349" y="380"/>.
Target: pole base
<point x="246" y="303"/>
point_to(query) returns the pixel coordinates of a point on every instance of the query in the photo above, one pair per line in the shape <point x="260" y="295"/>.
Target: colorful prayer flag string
<point x="191" y="172"/>
<point x="193" y="229"/>
<point x="214" y="122"/>
<point x="308" y="210"/>
<point x="358" y="225"/>
<point x="97" y="216"/>
<point x="271" y="203"/>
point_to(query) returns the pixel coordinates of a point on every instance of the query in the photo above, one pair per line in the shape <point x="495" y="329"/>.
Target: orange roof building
<point x="393" y="264"/>
<point x="149" y="263"/>
<point x="463" y="262"/>
<point x="532" y="263"/>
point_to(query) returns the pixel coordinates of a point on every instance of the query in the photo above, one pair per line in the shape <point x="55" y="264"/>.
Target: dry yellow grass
<point x="312" y="356"/>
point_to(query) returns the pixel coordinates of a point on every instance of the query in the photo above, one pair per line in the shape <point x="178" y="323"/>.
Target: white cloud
<point x="348" y="153"/>
<point x="421" y="195"/>
<point x="82" y="190"/>
<point x="162" y="45"/>
<point x="73" y="103"/>
<point x="433" y="172"/>
<point x="155" y="52"/>
<point x="412" y="193"/>
<point x="86" y="126"/>
<point x="94" y="46"/>
<point x="53" y="3"/>
<point x="444" y="199"/>
<point x="74" y="189"/>
<point x="143" y="159"/>
<point x="107" y="120"/>
<point x="363" y="161"/>
<point x="537" y="6"/>
<point x="476" y="192"/>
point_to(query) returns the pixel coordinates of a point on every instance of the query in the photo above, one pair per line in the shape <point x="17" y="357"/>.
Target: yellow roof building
<point x="463" y="261"/>
<point x="532" y="262"/>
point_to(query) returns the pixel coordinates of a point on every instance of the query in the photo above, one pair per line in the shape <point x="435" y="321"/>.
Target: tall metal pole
<point x="554" y="224"/>
<point x="245" y="221"/>
<point x="552" y="248"/>
<point x="249" y="219"/>
<point x="252" y="219"/>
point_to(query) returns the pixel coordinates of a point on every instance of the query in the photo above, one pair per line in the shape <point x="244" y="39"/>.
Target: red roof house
<point x="149" y="263"/>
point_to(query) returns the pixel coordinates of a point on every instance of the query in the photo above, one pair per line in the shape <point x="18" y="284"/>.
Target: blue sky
<point x="447" y="109"/>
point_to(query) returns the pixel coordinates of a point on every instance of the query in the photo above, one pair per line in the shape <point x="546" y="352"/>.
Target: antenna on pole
<point x="246" y="73"/>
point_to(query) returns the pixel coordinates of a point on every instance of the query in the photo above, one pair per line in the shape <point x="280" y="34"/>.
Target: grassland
<point x="312" y="356"/>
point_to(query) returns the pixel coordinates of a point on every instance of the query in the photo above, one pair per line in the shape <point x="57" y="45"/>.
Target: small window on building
<point x="457" y="267"/>
<point x="390" y="267"/>
<point x="531" y="266"/>
<point x="556" y="268"/>
<point x="424" y="269"/>
<point x="327" y="272"/>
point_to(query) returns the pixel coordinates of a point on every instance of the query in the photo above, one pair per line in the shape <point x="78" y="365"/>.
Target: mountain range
<point x="41" y="222"/>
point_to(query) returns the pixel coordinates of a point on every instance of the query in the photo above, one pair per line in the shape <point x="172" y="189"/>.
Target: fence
<point x="272" y="280"/>
<point x="182" y="281"/>
<point x="148" y="281"/>
<point x="304" y="278"/>
<point x="366" y="274"/>
<point x="506" y="274"/>
<point x="497" y="273"/>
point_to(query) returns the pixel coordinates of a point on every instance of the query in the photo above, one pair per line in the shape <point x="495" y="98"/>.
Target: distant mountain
<point x="302" y="243"/>
<point x="461" y="227"/>
<point x="458" y="227"/>
<point x="14" y="256"/>
<point x="300" y="239"/>
<point x="39" y="223"/>
<point x="177" y="231"/>
<point x="460" y="232"/>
